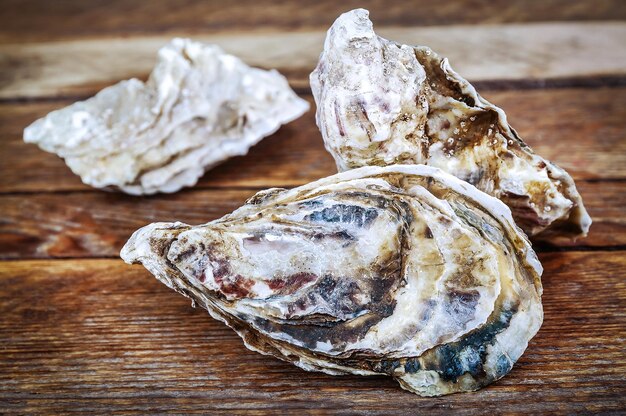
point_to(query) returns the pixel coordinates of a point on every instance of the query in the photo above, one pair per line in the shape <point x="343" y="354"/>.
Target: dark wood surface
<point x="96" y="335"/>
<point x="81" y="332"/>
<point x="63" y="19"/>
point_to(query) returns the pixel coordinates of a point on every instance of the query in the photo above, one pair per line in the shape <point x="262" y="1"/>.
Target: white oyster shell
<point x="402" y="270"/>
<point x="199" y="107"/>
<point x="382" y="103"/>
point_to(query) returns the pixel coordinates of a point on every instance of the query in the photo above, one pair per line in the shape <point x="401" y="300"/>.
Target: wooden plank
<point x="98" y="335"/>
<point x="580" y="129"/>
<point x="480" y="53"/>
<point x="606" y="203"/>
<point x="32" y="20"/>
<point x="97" y="224"/>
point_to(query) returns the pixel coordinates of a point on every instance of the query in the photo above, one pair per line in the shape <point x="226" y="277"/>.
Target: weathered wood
<point x="96" y="335"/>
<point x="480" y="53"/>
<point x="97" y="224"/>
<point x="30" y="20"/>
<point x="582" y="130"/>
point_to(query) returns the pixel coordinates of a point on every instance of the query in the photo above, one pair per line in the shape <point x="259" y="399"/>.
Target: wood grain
<point x="479" y="53"/>
<point x="28" y="20"/>
<point x="580" y="129"/>
<point x="97" y="224"/>
<point x="96" y="335"/>
<point x="81" y="332"/>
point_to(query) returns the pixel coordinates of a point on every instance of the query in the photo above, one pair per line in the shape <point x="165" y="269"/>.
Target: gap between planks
<point x="592" y="81"/>
<point x="533" y="54"/>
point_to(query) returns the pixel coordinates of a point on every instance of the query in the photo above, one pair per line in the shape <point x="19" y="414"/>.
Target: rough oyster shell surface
<point x="199" y="107"/>
<point x="382" y="103"/>
<point x="402" y="270"/>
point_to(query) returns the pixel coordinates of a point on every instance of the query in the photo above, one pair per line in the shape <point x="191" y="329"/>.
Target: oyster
<point x="199" y="107"/>
<point x="382" y="103"/>
<point x="402" y="270"/>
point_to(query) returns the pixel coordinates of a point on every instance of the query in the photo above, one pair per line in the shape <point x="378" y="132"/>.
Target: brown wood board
<point x="500" y="55"/>
<point x="36" y="20"/>
<point x="95" y="335"/>
<point x="82" y="332"/>
<point x="97" y="224"/>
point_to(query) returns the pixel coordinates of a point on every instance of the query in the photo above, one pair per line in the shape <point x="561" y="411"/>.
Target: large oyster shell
<point x="199" y="107"/>
<point x="381" y="103"/>
<point x="402" y="270"/>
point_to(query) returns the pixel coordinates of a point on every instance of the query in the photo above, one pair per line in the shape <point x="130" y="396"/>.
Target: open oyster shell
<point x="402" y="270"/>
<point x="382" y="103"/>
<point x="199" y="107"/>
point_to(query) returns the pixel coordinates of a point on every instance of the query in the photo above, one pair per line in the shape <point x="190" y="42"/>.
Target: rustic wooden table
<point x="80" y="331"/>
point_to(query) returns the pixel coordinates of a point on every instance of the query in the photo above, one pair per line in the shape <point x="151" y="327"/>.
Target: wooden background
<point x="80" y="331"/>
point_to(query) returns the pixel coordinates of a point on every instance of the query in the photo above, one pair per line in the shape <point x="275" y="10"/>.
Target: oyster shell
<point x="199" y="107"/>
<point x="382" y="103"/>
<point x="402" y="270"/>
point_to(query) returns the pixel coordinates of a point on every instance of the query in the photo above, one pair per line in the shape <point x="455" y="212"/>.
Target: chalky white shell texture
<point x="403" y="271"/>
<point x="199" y="107"/>
<point x="382" y="103"/>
